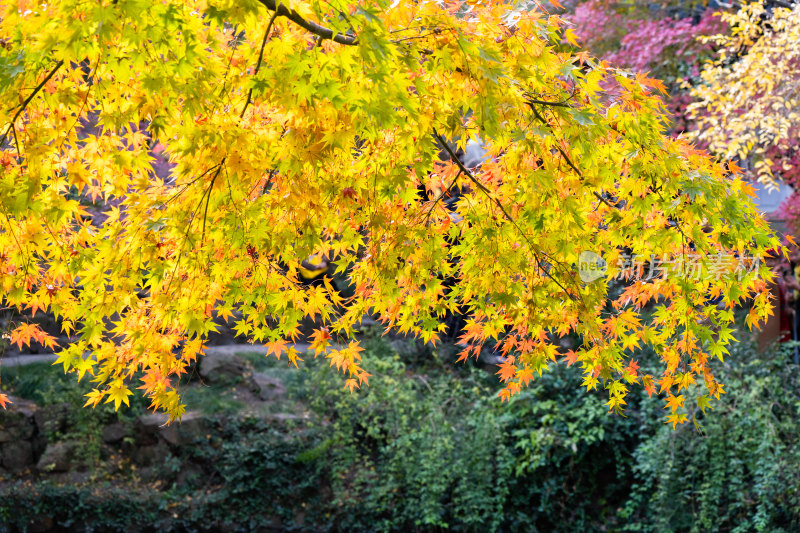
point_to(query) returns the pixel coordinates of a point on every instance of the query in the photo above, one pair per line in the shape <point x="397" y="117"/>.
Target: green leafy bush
<point x="739" y="469"/>
<point x="438" y="451"/>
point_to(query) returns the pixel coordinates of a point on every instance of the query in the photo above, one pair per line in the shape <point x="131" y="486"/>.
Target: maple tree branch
<point x="435" y="202"/>
<point x="563" y="103"/>
<point x="265" y="188"/>
<point x="16" y="143"/>
<point x="569" y="162"/>
<point x="189" y="184"/>
<point x="500" y="206"/>
<point x="208" y="199"/>
<point x="260" y="58"/>
<point x="531" y="101"/>
<point x="29" y="98"/>
<point x="321" y="31"/>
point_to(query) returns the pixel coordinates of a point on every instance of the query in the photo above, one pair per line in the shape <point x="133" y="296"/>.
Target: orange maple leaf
<point x="154" y="380"/>
<point x="632" y="368"/>
<point x="525" y="376"/>
<point x="570" y="357"/>
<point x="666" y="383"/>
<point x="25" y="332"/>
<point x="320" y="340"/>
<point x="4" y="401"/>
<point x="351" y="384"/>
<point x="507" y="369"/>
<point x="504" y="394"/>
<point x="276" y="347"/>
<point x="734" y="168"/>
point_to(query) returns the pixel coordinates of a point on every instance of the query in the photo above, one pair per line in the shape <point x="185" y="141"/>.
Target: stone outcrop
<point x="221" y="366"/>
<point x="28" y="432"/>
<point x="17" y="433"/>
<point x="266" y="387"/>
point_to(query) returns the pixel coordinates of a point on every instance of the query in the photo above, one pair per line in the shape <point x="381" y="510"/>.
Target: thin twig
<point x="436" y="201"/>
<point x="29" y="98"/>
<point x="260" y="58"/>
<point x="16" y="143"/>
<point x="208" y="199"/>
<point x="189" y="184"/>
<point x="85" y="99"/>
<point x="500" y="206"/>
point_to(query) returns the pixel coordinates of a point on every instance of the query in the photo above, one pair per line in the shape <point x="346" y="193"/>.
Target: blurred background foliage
<point x="431" y="448"/>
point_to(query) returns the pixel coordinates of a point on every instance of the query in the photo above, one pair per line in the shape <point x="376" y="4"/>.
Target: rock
<point x="114" y="433"/>
<point x="285" y="417"/>
<point x="17" y="455"/>
<point x="57" y="457"/>
<point x="38" y="443"/>
<point x="221" y="366"/>
<point x="408" y="347"/>
<point x="152" y="455"/>
<point x="191" y="428"/>
<point x="17" y="423"/>
<point x="51" y="419"/>
<point x="490" y="358"/>
<point x="568" y="343"/>
<point x="153" y="421"/>
<point x="266" y="387"/>
<point x="148" y="427"/>
<point x="368" y="323"/>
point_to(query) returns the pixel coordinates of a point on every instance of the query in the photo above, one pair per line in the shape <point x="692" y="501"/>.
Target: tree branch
<point x="320" y="31"/>
<point x="531" y="101"/>
<point x="569" y="162"/>
<point x="500" y="206"/>
<point x="260" y="58"/>
<point x="28" y="100"/>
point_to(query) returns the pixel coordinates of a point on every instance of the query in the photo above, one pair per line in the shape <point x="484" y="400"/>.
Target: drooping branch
<point x="320" y="31"/>
<point x="464" y="170"/>
<point x="260" y="58"/>
<point x="569" y="162"/>
<point x="28" y="101"/>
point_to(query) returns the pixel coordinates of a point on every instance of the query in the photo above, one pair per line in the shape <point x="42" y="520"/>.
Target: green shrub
<point x="438" y="451"/>
<point x="739" y="469"/>
<point x="411" y="451"/>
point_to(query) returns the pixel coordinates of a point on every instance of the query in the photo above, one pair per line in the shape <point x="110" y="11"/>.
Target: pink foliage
<point x="598" y="27"/>
<point x="653" y="43"/>
<point x="643" y="44"/>
<point x="785" y="156"/>
<point x="667" y="48"/>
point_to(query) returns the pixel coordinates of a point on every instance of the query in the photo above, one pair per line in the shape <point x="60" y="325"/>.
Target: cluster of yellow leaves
<point x="748" y="99"/>
<point x="316" y="129"/>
